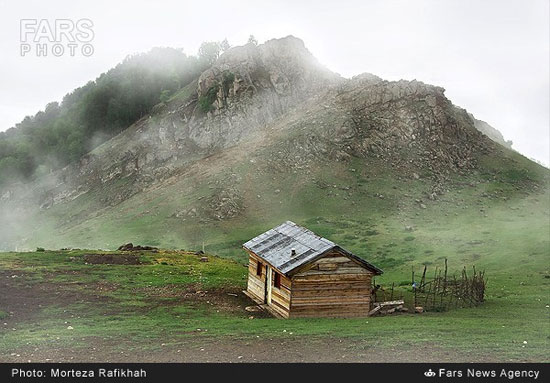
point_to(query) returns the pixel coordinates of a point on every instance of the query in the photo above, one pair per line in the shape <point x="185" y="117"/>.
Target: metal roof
<point x="275" y="247"/>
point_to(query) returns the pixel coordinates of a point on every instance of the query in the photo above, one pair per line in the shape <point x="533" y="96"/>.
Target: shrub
<point x="40" y="249"/>
<point x="206" y="100"/>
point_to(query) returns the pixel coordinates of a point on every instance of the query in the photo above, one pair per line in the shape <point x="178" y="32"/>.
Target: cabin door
<point x="268" y="283"/>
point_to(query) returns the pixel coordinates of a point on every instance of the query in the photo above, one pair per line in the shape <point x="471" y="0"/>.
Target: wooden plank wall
<point x="256" y="283"/>
<point x="333" y="286"/>
<point x="280" y="297"/>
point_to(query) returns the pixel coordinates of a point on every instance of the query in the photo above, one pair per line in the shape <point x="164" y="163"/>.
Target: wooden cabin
<point x="295" y="273"/>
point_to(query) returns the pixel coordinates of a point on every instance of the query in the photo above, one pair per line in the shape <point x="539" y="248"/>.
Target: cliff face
<point x="251" y="86"/>
<point x="410" y="120"/>
<point x="273" y="106"/>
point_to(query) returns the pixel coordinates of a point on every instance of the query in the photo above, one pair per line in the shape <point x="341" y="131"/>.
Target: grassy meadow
<point x="496" y="218"/>
<point x="144" y="304"/>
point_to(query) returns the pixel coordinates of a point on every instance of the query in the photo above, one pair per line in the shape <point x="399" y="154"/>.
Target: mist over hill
<point x="88" y="116"/>
<point x="262" y="134"/>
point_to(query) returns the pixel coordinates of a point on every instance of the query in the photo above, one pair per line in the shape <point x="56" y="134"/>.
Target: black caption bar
<point x="167" y="372"/>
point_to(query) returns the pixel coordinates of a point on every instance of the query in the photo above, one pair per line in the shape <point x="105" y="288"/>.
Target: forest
<point x="95" y="112"/>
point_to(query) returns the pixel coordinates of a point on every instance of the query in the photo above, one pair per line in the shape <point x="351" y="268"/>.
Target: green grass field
<point x="143" y="304"/>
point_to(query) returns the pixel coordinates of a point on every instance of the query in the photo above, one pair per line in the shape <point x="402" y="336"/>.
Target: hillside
<point x="264" y="135"/>
<point x="390" y="170"/>
<point x="90" y="115"/>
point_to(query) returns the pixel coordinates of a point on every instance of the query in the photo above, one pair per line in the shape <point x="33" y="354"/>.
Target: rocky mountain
<point x="266" y="133"/>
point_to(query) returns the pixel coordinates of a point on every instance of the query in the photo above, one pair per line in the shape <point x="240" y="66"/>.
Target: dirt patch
<point x="112" y="259"/>
<point x="221" y="299"/>
<point x="23" y="301"/>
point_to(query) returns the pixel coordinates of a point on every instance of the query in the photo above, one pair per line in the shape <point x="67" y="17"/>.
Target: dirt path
<point x="223" y="349"/>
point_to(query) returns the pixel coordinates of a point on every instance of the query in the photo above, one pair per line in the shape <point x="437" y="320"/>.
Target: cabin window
<point x="259" y="269"/>
<point x="277" y="280"/>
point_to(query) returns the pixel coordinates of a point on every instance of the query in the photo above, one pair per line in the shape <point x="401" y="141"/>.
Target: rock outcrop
<point x="251" y="86"/>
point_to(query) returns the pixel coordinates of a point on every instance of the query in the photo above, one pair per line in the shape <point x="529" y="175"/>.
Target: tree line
<point x="90" y="115"/>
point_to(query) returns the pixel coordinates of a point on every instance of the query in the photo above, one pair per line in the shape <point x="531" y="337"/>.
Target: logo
<point x="429" y="373"/>
<point x="42" y="37"/>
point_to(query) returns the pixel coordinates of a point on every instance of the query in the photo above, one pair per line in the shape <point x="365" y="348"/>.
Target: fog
<point x="491" y="56"/>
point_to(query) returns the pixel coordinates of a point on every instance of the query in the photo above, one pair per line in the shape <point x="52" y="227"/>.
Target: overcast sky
<point x="492" y="56"/>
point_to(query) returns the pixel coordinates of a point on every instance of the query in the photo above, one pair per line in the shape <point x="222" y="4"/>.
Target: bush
<point x="206" y="100"/>
<point x="40" y="249"/>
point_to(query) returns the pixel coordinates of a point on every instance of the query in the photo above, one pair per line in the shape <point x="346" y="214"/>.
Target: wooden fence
<point x="444" y="291"/>
<point x="438" y="291"/>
